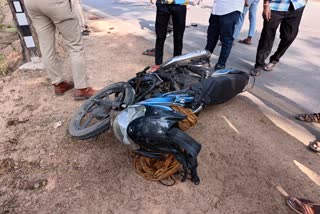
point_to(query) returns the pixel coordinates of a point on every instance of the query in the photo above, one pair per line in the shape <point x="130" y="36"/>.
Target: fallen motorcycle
<point x="150" y="116"/>
<point x="93" y="117"/>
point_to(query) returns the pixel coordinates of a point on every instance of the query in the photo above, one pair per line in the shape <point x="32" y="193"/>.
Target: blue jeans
<point x="252" y="8"/>
<point x="222" y="27"/>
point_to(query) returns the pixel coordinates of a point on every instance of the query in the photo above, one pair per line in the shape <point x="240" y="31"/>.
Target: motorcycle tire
<point x="75" y="128"/>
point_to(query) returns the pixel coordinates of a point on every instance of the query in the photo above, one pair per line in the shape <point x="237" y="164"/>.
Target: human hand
<point x="266" y="14"/>
<point x="246" y="3"/>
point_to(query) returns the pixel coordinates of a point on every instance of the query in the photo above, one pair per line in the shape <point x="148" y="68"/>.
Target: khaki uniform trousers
<point x="48" y="16"/>
<point x="77" y="8"/>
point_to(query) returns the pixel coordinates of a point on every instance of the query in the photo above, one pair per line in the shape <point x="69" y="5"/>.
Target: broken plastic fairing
<point x="186" y="58"/>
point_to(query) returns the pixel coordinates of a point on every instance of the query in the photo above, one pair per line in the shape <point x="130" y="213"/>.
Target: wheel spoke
<point x="87" y="121"/>
<point x="106" y="97"/>
<point x="94" y="115"/>
<point x="100" y="115"/>
<point x="91" y="108"/>
<point x="118" y="98"/>
<point x="98" y="111"/>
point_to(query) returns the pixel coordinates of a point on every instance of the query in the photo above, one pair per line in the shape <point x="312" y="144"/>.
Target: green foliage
<point x="11" y="29"/>
<point x="3" y="65"/>
<point x="8" y="28"/>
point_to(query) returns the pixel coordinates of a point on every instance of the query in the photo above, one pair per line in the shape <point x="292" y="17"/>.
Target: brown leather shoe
<point x="61" y="88"/>
<point x="84" y="93"/>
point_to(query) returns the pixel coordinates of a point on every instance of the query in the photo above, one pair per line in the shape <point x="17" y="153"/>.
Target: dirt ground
<point x="244" y="161"/>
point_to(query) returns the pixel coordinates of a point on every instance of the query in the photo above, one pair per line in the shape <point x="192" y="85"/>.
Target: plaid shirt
<point x="283" y="5"/>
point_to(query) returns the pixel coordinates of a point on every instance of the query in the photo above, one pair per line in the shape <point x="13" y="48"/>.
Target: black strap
<point x="187" y="155"/>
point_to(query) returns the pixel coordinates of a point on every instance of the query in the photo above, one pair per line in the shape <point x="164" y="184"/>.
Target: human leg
<point x="288" y="32"/>
<point x="252" y="18"/>
<point x="253" y="6"/>
<point x="162" y="20"/>
<point x="227" y="25"/>
<point x="45" y="29"/>
<point x="213" y="33"/>
<point x="67" y="24"/>
<point x="240" y="22"/>
<point x="75" y="44"/>
<point x="179" y="23"/>
<point x="267" y="37"/>
<point x="77" y="8"/>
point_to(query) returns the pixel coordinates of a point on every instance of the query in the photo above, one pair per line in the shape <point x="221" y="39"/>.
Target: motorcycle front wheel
<point x="93" y="117"/>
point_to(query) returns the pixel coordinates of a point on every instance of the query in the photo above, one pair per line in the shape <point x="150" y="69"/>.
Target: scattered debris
<point x="77" y="185"/>
<point x="57" y="124"/>
<point x="15" y="121"/>
<point x="37" y="184"/>
<point x="6" y="165"/>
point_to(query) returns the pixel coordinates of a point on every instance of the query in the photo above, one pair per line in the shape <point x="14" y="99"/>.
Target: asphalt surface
<point x="293" y="87"/>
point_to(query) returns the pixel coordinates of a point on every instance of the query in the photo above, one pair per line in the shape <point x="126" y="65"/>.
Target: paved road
<point x="294" y="86"/>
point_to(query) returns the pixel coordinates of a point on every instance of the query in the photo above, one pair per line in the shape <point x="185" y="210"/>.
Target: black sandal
<point x="310" y="118"/>
<point x="315" y="146"/>
<point x="302" y="206"/>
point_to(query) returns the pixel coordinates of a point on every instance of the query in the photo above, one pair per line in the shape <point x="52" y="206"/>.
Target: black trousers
<point x="289" y="27"/>
<point x="222" y="27"/>
<point x="178" y="14"/>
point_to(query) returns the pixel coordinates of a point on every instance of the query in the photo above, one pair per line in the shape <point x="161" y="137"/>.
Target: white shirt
<point x="222" y="7"/>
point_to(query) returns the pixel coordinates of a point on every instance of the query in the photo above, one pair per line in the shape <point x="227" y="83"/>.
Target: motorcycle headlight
<point x="122" y="121"/>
